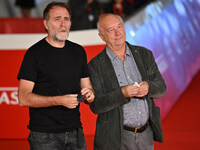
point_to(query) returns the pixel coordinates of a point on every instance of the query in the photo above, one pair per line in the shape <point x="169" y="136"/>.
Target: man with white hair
<point x="125" y="79"/>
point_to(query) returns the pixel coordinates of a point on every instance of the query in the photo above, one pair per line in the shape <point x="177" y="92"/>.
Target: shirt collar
<point x="112" y="55"/>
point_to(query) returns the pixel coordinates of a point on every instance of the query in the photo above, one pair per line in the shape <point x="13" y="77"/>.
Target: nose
<point x="62" y="23"/>
<point x="117" y="31"/>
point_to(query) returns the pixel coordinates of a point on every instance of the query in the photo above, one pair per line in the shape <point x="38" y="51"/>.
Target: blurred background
<point x="84" y="12"/>
<point x="170" y="28"/>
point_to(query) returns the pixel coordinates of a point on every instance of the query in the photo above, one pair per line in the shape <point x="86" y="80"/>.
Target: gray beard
<point x="56" y="38"/>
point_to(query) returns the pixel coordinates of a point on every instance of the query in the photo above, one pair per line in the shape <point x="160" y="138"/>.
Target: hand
<point x="69" y="101"/>
<point x="143" y="89"/>
<point x="130" y="90"/>
<point x="88" y="95"/>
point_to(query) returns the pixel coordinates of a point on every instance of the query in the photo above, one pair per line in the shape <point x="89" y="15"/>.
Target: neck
<point x="55" y="43"/>
<point x="119" y="51"/>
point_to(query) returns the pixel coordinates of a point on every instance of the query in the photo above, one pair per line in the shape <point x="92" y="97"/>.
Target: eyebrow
<point x="57" y="17"/>
<point x="113" y="27"/>
<point x="61" y="17"/>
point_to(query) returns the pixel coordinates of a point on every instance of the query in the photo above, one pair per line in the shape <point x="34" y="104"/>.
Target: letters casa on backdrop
<point x="8" y="95"/>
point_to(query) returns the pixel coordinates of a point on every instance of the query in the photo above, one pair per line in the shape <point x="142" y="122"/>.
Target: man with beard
<point x="52" y="75"/>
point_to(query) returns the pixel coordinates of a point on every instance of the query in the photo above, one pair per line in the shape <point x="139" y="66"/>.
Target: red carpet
<point x="180" y="128"/>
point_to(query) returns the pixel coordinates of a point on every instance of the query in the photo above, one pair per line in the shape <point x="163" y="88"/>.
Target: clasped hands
<point x="139" y="90"/>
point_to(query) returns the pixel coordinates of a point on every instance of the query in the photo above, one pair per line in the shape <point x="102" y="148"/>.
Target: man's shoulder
<point x="38" y="45"/>
<point x="138" y="48"/>
<point x="73" y="44"/>
<point x="98" y="57"/>
<point x="75" y="47"/>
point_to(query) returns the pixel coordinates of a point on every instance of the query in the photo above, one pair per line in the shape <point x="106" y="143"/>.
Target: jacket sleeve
<point x="107" y="95"/>
<point x="157" y="86"/>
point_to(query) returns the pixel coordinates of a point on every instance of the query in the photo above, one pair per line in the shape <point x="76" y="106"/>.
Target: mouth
<point x="118" y="38"/>
<point x="64" y="31"/>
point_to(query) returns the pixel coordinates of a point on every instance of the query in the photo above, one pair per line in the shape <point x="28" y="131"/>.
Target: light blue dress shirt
<point x="135" y="112"/>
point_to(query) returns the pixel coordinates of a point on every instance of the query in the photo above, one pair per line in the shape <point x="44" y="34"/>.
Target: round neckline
<point x="49" y="43"/>
<point x="55" y="48"/>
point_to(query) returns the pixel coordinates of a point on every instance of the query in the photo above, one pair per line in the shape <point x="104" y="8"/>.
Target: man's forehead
<point x="111" y="24"/>
<point x="110" y="20"/>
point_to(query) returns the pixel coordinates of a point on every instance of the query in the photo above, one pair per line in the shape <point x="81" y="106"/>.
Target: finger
<point x="90" y="100"/>
<point x="84" y="90"/>
<point x="90" y="97"/>
<point x="87" y="97"/>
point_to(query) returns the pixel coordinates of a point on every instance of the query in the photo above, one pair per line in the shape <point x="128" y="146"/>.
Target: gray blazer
<point x="109" y="98"/>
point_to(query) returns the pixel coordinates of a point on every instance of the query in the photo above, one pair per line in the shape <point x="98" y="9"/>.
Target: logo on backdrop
<point x="8" y="95"/>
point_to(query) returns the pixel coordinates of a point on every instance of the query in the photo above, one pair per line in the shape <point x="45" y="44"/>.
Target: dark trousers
<point x="55" y="141"/>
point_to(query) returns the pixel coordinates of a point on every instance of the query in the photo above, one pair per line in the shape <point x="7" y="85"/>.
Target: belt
<point x="136" y="130"/>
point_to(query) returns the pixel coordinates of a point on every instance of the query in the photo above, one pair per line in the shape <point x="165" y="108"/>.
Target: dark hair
<point x="51" y="5"/>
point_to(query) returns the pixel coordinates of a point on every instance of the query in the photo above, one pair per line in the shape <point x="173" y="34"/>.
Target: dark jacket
<point x="109" y="98"/>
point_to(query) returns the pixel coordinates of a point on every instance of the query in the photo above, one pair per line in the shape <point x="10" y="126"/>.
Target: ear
<point x="45" y="24"/>
<point x="102" y="37"/>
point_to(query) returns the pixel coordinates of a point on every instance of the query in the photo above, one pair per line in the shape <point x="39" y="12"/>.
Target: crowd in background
<point x="85" y="13"/>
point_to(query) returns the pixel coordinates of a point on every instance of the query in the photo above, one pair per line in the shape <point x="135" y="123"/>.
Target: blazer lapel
<point x="108" y="70"/>
<point x="138" y="59"/>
